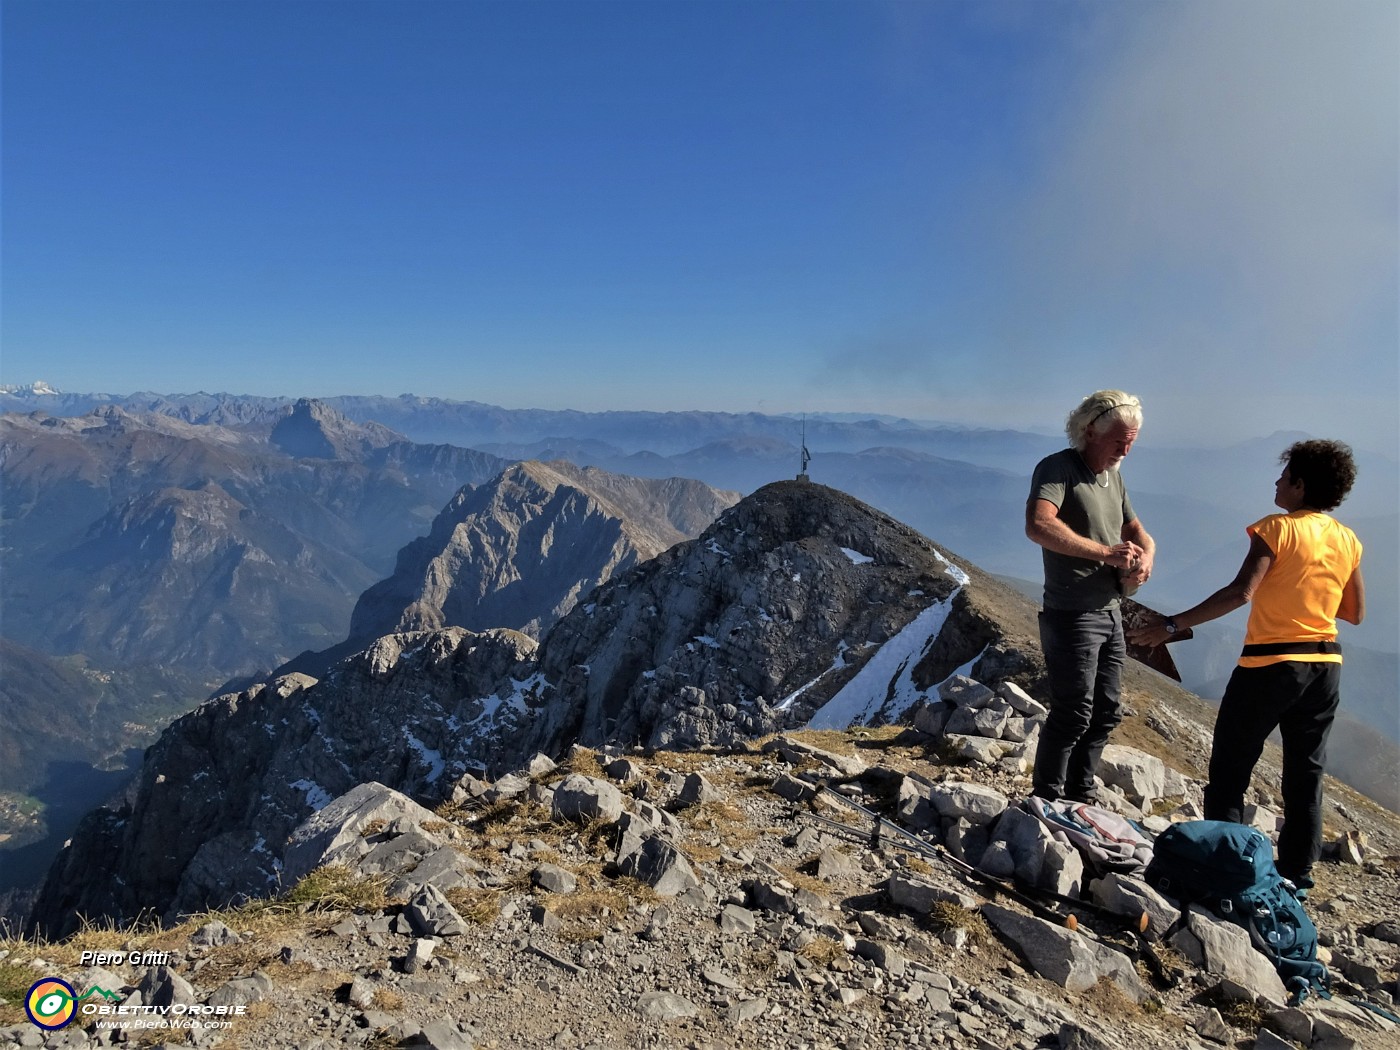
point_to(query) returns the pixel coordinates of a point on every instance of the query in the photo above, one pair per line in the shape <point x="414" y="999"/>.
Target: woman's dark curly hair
<point x="1325" y="468"/>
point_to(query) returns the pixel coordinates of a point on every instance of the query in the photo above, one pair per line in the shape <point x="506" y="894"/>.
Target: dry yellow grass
<point x="945" y="915"/>
<point x="336" y="887"/>
<point x="546" y="856"/>
<point x="316" y="901"/>
<point x="597" y="903"/>
<point x="837" y="741"/>
<point x="1112" y="1001"/>
<point x="918" y="864"/>
<point x="582" y="761"/>
<point x="823" y="951"/>
<point x="722" y="820"/>
<point x="702" y="853"/>
<point x="479" y="906"/>
<point x="387" y="999"/>
<point x="492" y="815"/>
<point x="801" y="881"/>
<point x="230" y="961"/>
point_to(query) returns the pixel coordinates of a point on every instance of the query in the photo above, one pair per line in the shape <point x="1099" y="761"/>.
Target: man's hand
<point x="1140" y="570"/>
<point x="1137" y="573"/>
<point x="1125" y="555"/>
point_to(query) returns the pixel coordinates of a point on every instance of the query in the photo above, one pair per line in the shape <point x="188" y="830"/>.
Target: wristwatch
<point x="1170" y="624"/>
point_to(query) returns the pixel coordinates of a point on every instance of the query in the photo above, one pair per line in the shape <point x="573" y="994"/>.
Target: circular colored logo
<point x="49" y="1003"/>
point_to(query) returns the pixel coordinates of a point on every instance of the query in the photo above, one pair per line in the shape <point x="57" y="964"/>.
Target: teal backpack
<point x="1229" y="868"/>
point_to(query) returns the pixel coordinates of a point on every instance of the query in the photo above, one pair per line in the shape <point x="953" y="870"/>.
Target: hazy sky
<point x="966" y="211"/>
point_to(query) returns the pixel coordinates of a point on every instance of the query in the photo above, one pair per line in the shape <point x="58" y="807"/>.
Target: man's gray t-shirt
<point x="1093" y="506"/>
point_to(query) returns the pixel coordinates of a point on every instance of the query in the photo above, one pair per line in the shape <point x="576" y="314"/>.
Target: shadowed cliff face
<point x="145" y="560"/>
<point x="521" y="550"/>
<point x="221" y="789"/>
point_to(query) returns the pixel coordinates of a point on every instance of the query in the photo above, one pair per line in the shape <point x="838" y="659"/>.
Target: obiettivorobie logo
<point x="52" y="1003"/>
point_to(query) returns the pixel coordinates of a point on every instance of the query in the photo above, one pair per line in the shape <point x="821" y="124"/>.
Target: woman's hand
<point x="1152" y="633"/>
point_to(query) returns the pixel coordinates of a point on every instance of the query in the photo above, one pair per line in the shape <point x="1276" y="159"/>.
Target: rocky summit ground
<point x="745" y="910"/>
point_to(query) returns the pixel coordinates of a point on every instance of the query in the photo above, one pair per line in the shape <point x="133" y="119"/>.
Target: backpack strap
<point x="1298" y="986"/>
<point x="1182" y="917"/>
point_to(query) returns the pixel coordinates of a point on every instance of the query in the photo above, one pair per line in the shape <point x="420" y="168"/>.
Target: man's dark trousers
<point x="1300" y="698"/>
<point x="1084" y="657"/>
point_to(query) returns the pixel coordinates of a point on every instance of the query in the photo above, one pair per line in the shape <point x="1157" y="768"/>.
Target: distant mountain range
<point x="964" y="485"/>
<point x="149" y="541"/>
<point x="145" y="560"/>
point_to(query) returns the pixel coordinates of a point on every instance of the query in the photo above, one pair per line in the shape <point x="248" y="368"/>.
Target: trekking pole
<point x="1041" y="909"/>
<point x="1134" y="926"/>
<point x="1137" y="924"/>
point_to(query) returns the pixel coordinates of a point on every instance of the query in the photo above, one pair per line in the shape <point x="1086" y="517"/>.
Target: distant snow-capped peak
<point x="36" y="389"/>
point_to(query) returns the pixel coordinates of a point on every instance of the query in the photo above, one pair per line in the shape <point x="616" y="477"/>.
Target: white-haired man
<point x="1094" y="549"/>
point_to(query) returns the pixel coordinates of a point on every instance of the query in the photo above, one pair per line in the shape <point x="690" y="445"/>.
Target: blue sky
<point x="975" y="211"/>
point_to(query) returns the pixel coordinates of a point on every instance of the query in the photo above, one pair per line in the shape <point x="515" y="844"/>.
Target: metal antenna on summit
<point x="806" y="456"/>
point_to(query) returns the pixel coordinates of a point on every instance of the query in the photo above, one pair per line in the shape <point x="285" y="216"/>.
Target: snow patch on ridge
<point x="837" y="664"/>
<point x="317" y="797"/>
<point x="430" y="758"/>
<point x="952" y="570"/>
<point x="885" y="685"/>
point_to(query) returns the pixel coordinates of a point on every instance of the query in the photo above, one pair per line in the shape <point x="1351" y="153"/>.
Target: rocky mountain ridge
<point x="962" y="484"/>
<point x="146" y="560"/>
<point x="781" y="608"/>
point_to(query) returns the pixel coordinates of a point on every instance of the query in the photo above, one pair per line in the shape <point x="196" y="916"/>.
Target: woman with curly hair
<point x="1302" y="574"/>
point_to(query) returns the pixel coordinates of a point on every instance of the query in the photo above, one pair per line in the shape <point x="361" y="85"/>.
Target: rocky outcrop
<point x="522" y="550"/>
<point x="218" y="794"/>
<point x="311" y="429"/>
<point x="800" y="603"/>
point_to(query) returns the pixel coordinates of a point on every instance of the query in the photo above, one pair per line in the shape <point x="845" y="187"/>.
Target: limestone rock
<point x="582" y="798"/>
<point x="335" y="833"/>
<point x="665" y="1006"/>
<point x="564" y="528"/>
<point x="962" y="691"/>
<point x="1223" y="948"/>
<point x="1060" y="955"/>
<point x="1131" y="897"/>
<point x="657" y="863"/>
<point x="1141" y="776"/>
<point x="793" y="750"/>
<point x="432" y="915"/>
